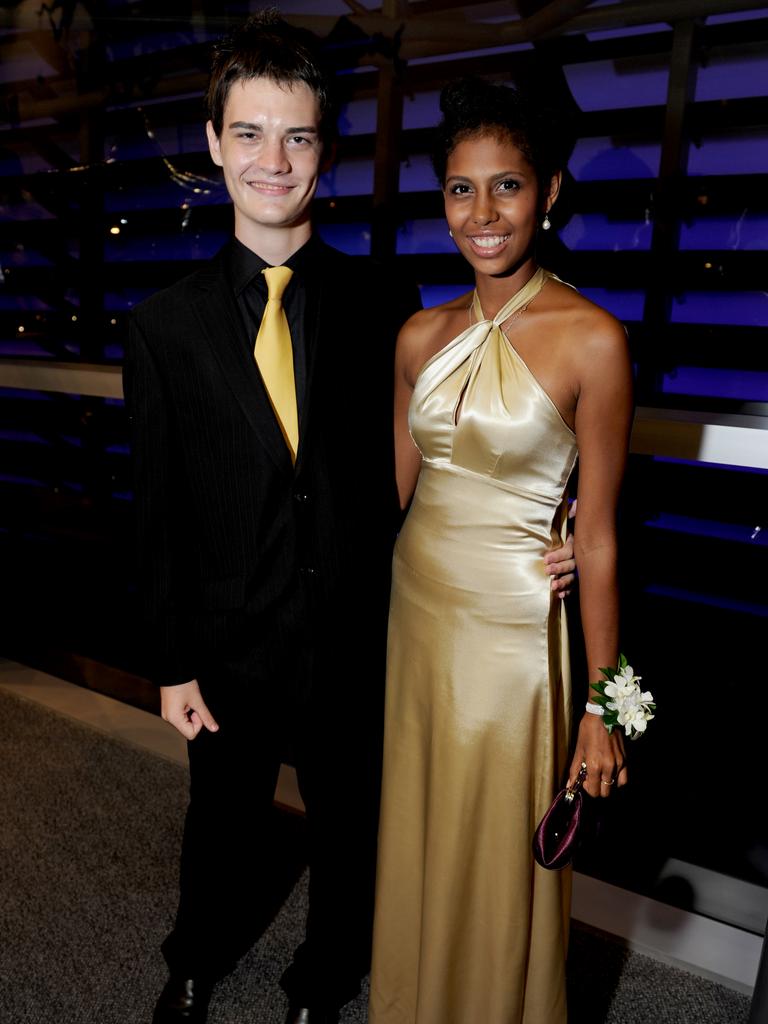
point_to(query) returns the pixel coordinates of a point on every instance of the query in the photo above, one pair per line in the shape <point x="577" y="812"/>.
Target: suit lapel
<point x="221" y="327"/>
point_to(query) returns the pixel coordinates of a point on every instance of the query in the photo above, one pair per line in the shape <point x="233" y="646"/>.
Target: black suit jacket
<point x="245" y="560"/>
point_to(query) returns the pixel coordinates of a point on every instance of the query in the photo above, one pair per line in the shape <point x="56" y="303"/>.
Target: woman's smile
<point x="487" y="246"/>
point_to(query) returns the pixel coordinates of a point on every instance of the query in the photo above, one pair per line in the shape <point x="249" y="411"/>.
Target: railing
<point x="734" y="439"/>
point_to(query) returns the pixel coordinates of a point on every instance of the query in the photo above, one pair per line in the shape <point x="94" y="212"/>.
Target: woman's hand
<point x="603" y="754"/>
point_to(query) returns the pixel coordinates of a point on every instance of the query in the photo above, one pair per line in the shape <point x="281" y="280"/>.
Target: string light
<point x="197" y="183"/>
<point x="114" y="230"/>
<point x="184" y="179"/>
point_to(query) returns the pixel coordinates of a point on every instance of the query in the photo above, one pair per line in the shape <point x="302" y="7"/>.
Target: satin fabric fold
<point x="468" y="928"/>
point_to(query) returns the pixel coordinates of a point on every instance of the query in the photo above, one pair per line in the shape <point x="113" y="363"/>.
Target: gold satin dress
<point x="469" y="930"/>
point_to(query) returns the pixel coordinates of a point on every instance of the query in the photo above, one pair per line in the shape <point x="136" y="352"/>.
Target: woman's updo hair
<point x="473" y="107"/>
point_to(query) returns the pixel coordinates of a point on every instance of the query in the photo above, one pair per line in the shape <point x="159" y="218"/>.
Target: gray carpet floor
<point x="90" y="830"/>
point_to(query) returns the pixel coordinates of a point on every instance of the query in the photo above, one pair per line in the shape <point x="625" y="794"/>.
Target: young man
<point x="266" y="512"/>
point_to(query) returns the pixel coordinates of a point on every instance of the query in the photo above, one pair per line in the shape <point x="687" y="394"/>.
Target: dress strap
<point x="527" y="294"/>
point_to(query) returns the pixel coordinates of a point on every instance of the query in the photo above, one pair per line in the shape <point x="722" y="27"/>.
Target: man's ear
<point x="328" y="157"/>
<point x="214" y="144"/>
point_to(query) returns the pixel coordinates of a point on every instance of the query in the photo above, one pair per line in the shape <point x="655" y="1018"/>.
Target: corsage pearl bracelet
<point x="620" y="701"/>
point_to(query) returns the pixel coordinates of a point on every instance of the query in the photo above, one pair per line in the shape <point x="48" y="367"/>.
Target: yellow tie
<point x="274" y="357"/>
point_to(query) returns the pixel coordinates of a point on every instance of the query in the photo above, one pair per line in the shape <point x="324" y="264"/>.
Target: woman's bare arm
<point x="603" y="422"/>
<point x="408" y="361"/>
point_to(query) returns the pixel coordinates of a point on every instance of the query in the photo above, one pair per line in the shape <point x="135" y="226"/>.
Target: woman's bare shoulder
<point x="425" y="328"/>
<point x="434" y="317"/>
<point x="593" y="328"/>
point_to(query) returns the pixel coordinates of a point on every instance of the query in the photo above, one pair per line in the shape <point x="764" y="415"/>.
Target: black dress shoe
<point x="304" y="1015"/>
<point x="183" y="1001"/>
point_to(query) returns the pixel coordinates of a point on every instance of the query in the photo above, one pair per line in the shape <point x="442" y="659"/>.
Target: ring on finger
<point x="607" y="782"/>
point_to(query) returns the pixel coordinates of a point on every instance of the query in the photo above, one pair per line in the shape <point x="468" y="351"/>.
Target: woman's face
<point x="492" y="203"/>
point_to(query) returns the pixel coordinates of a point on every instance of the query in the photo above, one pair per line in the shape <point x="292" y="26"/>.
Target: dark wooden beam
<point x="730" y="39"/>
<point x="389" y="126"/>
<point x="668" y="198"/>
<point x="149" y="74"/>
<point x="425" y="22"/>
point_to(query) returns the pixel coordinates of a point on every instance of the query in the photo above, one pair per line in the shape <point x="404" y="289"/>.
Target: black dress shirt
<point x="299" y="302"/>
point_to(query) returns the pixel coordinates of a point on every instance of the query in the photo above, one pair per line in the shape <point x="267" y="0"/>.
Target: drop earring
<point x="546" y="224"/>
<point x="450" y="232"/>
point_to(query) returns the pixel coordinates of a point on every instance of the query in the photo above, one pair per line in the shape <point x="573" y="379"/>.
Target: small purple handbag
<point x="557" y="836"/>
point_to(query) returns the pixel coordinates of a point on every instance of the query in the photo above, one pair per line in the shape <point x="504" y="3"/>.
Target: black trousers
<point x="228" y="855"/>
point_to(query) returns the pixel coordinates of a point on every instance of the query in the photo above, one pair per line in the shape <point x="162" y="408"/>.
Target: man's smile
<point x="270" y="187"/>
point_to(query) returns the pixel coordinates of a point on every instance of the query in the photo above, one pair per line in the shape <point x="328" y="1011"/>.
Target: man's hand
<point x="561" y="565"/>
<point x="184" y="708"/>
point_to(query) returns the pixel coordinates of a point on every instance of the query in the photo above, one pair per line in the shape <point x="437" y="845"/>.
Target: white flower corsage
<point x="623" y="702"/>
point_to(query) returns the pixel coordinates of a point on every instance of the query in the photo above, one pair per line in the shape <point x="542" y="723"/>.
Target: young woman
<point x="496" y="394"/>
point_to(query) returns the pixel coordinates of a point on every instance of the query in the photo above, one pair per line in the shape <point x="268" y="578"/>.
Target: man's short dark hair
<point x="266" y="46"/>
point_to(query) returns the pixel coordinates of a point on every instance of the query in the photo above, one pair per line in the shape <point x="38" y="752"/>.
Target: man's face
<point x="270" y="151"/>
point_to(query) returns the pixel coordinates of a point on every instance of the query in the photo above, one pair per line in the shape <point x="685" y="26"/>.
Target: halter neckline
<point x="521" y="298"/>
